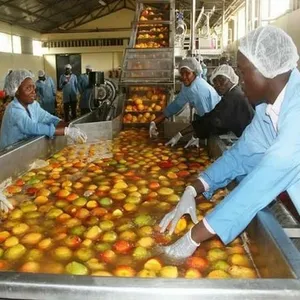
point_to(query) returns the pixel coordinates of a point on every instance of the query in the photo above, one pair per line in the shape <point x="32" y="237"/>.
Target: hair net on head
<point x="191" y="64"/>
<point x="15" y="79"/>
<point x="227" y="71"/>
<point x="68" y="66"/>
<point x="270" y="50"/>
<point x="88" y="67"/>
<point x="41" y="73"/>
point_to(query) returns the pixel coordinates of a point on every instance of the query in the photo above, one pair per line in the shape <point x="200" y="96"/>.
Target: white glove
<point x="153" y="130"/>
<point x="5" y="205"/>
<point x="192" y="142"/>
<point x="182" y="248"/>
<point x="76" y="134"/>
<point x="186" y="205"/>
<point x="174" y="140"/>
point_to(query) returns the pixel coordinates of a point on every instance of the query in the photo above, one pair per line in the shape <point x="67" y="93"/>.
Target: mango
<point x="146" y="274"/>
<point x="140" y="253"/>
<point x="20" y="229"/>
<point x="62" y="253"/>
<point x="218" y="274"/>
<point x="216" y="254"/>
<point x="239" y="260"/>
<point x="169" y="272"/>
<point x="109" y="237"/>
<point x="84" y="254"/>
<point x="34" y="255"/>
<point x="242" y="272"/>
<point x="143" y="220"/>
<point x="220" y="265"/>
<point x="93" y="233"/>
<point x="76" y="268"/>
<point x="94" y="265"/>
<point x="146" y="242"/>
<point x="11" y="241"/>
<point x="31" y="238"/>
<point x="14" y="253"/>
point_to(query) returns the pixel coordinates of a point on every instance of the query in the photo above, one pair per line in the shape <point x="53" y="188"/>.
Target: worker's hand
<point x="182" y="248"/>
<point x="193" y="142"/>
<point x="153" y="130"/>
<point x="174" y="140"/>
<point x="76" y="134"/>
<point x="5" y="205"/>
<point x="186" y="205"/>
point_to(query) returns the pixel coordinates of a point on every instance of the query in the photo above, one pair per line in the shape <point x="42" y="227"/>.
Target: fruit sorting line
<point x="281" y="268"/>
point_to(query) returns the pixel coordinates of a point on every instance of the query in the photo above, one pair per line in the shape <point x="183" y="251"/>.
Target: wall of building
<point x="17" y="61"/>
<point x="116" y="25"/>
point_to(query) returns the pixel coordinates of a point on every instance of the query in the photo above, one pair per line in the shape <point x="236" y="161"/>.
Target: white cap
<point x="270" y="50"/>
<point x="15" y="79"/>
<point x="191" y="64"/>
<point x="68" y="66"/>
<point x="41" y="73"/>
<point x="227" y="71"/>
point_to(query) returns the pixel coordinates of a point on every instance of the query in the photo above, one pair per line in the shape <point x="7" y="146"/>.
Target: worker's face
<point x="253" y="82"/>
<point x="187" y="76"/>
<point x="222" y="84"/>
<point x="88" y="71"/>
<point x="68" y="71"/>
<point x="26" y="92"/>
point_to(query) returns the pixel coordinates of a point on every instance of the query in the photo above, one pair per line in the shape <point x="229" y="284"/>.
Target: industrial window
<point x="37" y="48"/>
<point x="278" y="8"/>
<point x="5" y="42"/>
<point x="16" y="44"/>
<point x="241" y="24"/>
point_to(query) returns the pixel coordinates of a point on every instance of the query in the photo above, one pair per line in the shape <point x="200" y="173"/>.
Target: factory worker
<point x="46" y="92"/>
<point x="204" y="69"/>
<point x="69" y="85"/>
<point x="195" y="91"/>
<point x="267" y="154"/>
<point x="233" y="113"/>
<point x="24" y="118"/>
<point x="85" y="91"/>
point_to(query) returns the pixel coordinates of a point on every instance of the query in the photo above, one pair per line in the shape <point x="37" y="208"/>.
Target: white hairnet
<point x="270" y="50"/>
<point x="68" y="66"/>
<point x="191" y="64"/>
<point x="227" y="71"/>
<point x="88" y="67"/>
<point x="15" y="79"/>
<point x="41" y="73"/>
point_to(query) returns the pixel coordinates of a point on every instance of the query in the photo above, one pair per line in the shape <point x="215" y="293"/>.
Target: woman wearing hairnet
<point x="46" y="92"/>
<point x="233" y="113"/>
<point x="24" y="118"/>
<point x="195" y="91"/>
<point x="267" y="154"/>
<point x="69" y="85"/>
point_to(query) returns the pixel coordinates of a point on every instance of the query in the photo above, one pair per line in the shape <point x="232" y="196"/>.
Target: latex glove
<point x="174" y="140"/>
<point x="186" y="205"/>
<point x="153" y="130"/>
<point x="182" y="248"/>
<point x="192" y="142"/>
<point x="76" y="134"/>
<point x="5" y="205"/>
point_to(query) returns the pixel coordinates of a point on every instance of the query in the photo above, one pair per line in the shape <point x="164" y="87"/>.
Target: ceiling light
<point x="102" y="2"/>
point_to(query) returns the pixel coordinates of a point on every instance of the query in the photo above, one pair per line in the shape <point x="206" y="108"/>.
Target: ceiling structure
<point x="48" y="16"/>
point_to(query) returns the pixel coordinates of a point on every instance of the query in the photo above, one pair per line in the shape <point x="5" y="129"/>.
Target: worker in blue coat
<point x="24" y="118"/>
<point x="195" y="91"/>
<point x="46" y="92"/>
<point x="69" y="85"/>
<point x="268" y="153"/>
<point x="85" y="91"/>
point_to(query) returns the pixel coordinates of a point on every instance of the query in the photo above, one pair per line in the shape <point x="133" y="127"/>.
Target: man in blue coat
<point x="85" y="91"/>
<point x="268" y="153"/>
<point x="46" y="92"/>
<point x="69" y="85"/>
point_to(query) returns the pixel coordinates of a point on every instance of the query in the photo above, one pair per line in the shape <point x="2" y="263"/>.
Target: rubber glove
<point x="174" y="140"/>
<point x="192" y="142"/>
<point x="76" y="134"/>
<point x="186" y="205"/>
<point x="182" y="248"/>
<point x="153" y="130"/>
<point x="5" y="205"/>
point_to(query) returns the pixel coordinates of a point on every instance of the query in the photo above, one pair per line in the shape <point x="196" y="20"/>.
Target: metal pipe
<point x="192" y="27"/>
<point x="199" y="17"/>
<point x="223" y="25"/>
<point x="258" y="13"/>
<point x="246" y="16"/>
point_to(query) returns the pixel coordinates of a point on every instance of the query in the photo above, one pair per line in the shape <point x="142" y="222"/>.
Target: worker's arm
<point x="44" y="117"/>
<point x="52" y="86"/>
<point x="76" y="84"/>
<point x="80" y="84"/>
<point x="61" y="82"/>
<point x="178" y="104"/>
<point x="277" y="171"/>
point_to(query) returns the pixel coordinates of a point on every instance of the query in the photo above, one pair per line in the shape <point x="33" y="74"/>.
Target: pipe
<point x="199" y="17"/>
<point x="246" y="16"/>
<point x="258" y="13"/>
<point x="223" y="25"/>
<point x="192" y="27"/>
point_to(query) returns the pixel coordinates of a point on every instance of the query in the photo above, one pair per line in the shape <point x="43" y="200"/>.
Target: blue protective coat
<point x="200" y="95"/>
<point x="84" y="90"/>
<point x="269" y="159"/>
<point x="18" y="124"/>
<point x="70" y="89"/>
<point x="46" y="92"/>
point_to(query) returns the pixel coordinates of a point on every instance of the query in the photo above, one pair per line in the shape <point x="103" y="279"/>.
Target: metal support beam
<point x="192" y="27"/>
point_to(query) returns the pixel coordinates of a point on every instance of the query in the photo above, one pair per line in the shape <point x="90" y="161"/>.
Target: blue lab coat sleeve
<point x="178" y="104"/>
